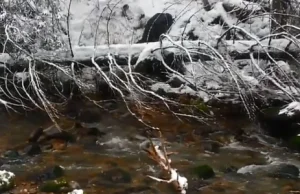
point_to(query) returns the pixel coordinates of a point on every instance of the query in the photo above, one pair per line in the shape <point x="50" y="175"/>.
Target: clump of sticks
<point x="159" y="154"/>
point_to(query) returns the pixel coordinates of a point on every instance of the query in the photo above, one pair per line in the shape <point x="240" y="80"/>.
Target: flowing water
<point x="92" y="162"/>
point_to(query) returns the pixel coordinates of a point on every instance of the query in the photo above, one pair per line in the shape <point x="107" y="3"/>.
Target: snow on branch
<point x="160" y="156"/>
<point x="240" y="47"/>
<point x="290" y="109"/>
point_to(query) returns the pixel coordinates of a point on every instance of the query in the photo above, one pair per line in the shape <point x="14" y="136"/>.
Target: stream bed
<point x="246" y="162"/>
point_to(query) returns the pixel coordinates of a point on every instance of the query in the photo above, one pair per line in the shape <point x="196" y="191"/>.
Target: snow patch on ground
<point x="22" y="76"/>
<point x="92" y="23"/>
<point x="76" y="191"/>
<point x="5" y="58"/>
<point x="6" y="178"/>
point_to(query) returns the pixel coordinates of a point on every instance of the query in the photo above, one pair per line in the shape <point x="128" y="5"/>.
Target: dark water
<point x="85" y="160"/>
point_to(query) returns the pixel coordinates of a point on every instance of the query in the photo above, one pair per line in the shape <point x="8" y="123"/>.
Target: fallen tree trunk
<point x="89" y="80"/>
<point x="277" y="48"/>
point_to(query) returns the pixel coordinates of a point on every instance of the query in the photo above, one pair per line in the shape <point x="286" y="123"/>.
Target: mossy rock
<point x="54" y="186"/>
<point x="294" y="143"/>
<point x="200" y="105"/>
<point x="7" y="180"/>
<point x="204" y="172"/>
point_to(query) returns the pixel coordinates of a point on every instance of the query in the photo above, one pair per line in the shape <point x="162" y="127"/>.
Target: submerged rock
<point x="211" y="146"/>
<point x="6" y="180"/>
<point x="138" y="190"/>
<point x="51" y="173"/>
<point x="279" y="170"/>
<point x="112" y="178"/>
<point x="229" y="169"/>
<point x="89" y="115"/>
<point x="204" y="172"/>
<point x="53" y="132"/>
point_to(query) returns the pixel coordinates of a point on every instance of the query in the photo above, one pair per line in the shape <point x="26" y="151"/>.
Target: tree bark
<point x="279" y="6"/>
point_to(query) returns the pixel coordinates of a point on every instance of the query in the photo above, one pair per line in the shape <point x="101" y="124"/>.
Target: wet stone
<point x="88" y="142"/>
<point x="31" y="150"/>
<point x="284" y="171"/>
<point x="89" y="115"/>
<point x="196" y="184"/>
<point x="53" y="132"/>
<point x="229" y="169"/>
<point x="211" y="146"/>
<point x="51" y="173"/>
<point x="138" y="190"/>
<point x="221" y="137"/>
<point x="11" y="154"/>
<point x="280" y="170"/>
<point x="94" y="131"/>
<point x="112" y="178"/>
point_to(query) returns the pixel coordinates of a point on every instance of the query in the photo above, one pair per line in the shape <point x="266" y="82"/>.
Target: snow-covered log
<point x="237" y="49"/>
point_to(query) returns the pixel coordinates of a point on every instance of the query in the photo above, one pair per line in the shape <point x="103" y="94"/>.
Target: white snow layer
<point x="92" y="23"/>
<point x="290" y="109"/>
<point x="5" y="58"/>
<point x="76" y="191"/>
<point x="6" y="177"/>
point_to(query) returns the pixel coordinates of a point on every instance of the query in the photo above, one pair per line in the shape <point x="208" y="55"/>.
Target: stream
<point x="113" y="162"/>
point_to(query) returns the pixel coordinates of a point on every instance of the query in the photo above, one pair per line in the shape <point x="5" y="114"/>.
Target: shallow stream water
<point x="89" y="158"/>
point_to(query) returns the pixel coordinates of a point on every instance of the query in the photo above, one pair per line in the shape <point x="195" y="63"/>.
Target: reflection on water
<point x="114" y="162"/>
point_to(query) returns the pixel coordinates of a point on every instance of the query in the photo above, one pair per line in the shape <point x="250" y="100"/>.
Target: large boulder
<point x="275" y="170"/>
<point x="280" y="122"/>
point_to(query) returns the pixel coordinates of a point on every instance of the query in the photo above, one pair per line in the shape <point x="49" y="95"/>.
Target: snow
<point x="180" y="182"/>
<point x="5" y="58"/>
<point x="76" y="191"/>
<point x="146" y="50"/>
<point x="22" y="76"/>
<point x="290" y="109"/>
<point x="97" y="31"/>
<point x="6" y="177"/>
<point x="284" y="66"/>
<point x="89" y="17"/>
